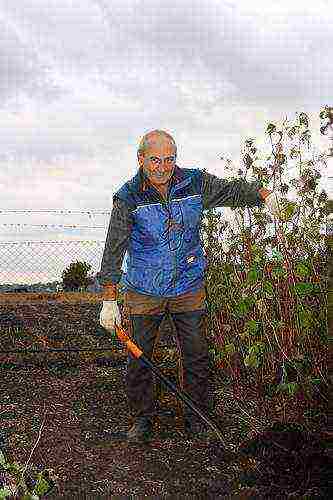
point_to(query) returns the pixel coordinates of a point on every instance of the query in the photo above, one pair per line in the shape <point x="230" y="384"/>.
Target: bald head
<point x="156" y="138"/>
<point x="156" y="156"/>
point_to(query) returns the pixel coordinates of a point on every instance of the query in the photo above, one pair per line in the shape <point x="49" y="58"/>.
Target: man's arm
<point x="115" y="248"/>
<point x="219" y="192"/>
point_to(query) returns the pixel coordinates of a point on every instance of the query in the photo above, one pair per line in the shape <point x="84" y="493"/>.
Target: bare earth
<point x="82" y="398"/>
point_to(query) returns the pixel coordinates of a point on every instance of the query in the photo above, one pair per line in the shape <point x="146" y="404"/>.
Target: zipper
<point x="170" y="218"/>
<point x="173" y="255"/>
<point x="165" y="205"/>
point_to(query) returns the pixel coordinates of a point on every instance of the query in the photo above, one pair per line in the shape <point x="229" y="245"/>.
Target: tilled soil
<point x="78" y="407"/>
<point x="75" y="441"/>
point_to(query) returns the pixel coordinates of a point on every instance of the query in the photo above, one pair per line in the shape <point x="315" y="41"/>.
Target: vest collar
<point x="143" y="184"/>
<point x="177" y="177"/>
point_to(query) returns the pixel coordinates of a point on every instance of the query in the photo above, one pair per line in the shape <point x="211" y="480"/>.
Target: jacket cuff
<point x="110" y="291"/>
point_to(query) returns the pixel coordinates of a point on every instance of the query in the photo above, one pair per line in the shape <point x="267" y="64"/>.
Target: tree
<point x="75" y="276"/>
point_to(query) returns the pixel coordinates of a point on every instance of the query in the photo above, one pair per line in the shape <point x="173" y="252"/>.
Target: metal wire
<point x="55" y="349"/>
<point x="72" y="226"/>
<point x="57" y="211"/>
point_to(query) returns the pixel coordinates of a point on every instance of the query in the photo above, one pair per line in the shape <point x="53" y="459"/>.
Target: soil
<point x="76" y="405"/>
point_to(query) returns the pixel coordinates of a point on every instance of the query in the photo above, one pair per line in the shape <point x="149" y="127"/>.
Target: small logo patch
<point x="191" y="259"/>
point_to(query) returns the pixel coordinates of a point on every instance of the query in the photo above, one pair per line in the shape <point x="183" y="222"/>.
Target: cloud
<point x="22" y="70"/>
<point x="84" y="81"/>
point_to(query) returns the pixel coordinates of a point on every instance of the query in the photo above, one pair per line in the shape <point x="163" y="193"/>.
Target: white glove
<point x="110" y="314"/>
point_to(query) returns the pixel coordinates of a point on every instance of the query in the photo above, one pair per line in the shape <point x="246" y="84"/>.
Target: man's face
<point x="158" y="163"/>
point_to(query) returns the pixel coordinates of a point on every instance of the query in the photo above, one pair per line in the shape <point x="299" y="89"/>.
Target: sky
<point x="82" y="82"/>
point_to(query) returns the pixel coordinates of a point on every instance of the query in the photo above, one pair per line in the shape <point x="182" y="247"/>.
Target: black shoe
<point x="141" y="431"/>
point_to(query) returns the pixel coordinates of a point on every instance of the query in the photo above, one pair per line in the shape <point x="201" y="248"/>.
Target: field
<point x="66" y="407"/>
<point x="61" y="297"/>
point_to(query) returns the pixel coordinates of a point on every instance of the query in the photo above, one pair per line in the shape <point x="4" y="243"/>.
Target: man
<point x="156" y="218"/>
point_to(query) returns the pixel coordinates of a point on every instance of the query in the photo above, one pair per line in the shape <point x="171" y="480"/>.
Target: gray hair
<point x="146" y="140"/>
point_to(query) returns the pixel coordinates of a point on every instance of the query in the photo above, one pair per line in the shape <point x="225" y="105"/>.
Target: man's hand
<point x="279" y="207"/>
<point x="109" y="315"/>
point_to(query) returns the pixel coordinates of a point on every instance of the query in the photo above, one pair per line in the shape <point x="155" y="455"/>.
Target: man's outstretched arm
<point x="218" y="192"/>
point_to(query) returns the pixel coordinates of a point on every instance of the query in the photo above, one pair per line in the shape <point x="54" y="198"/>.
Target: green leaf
<point x="302" y="270"/>
<point x="2" y="458"/>
<point x="305" y="316"/>
<point x="243" y="307"/>
<point x="5" y="493"/>
<point x="258" y="259"/>
<point x="292" y="388"/>
<point x="288" y="212"/>
<point x="303" y="119"/>
<point x="278" y="271"/>
<point x="254" y="248"/>
<point x="42" y="485"/>
<point x="268" y="288"/>
<point x="252" y="275"/>
<point x="251" y="361"/>
<point x="230" y="348"/>
<point x="270" y="128"/>
<point x="303" y="288"/>
<point x="257" y="348"/>
<point x="227" y="269"/>
<point x="15" y="467"/>
<point x="277" y="255"/>
<point x="252" y="326"/>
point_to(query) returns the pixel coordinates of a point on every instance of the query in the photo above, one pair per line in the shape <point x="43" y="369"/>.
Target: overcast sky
<point x="82" y="81"/>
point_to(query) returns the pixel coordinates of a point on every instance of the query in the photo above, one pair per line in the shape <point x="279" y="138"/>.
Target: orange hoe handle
<point x="122" y="335"/>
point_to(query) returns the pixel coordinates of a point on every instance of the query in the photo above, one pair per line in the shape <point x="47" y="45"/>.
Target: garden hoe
<point x="137" y="353"/>
<point x="223" y="452"/>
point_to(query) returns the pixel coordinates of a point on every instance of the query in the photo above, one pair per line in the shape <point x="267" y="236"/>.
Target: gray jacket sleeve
<point x="217" y="192"/>
<point x="116" y="244"/>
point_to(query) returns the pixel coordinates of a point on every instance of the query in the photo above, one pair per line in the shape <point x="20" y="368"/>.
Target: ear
<point x="140" y="157"/>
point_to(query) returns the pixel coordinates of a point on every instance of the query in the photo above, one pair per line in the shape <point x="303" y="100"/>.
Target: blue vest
<point x="165" y="257"/>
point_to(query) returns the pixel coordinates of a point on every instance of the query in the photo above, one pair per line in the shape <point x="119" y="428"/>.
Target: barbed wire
<point x="47" y="242"/>
<point x="72" y="226"/>
<point x="90" y="212"/>
<point x="56" y="210"/>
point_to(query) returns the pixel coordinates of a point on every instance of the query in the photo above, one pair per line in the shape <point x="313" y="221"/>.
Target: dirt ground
<point x="77" y="402"/>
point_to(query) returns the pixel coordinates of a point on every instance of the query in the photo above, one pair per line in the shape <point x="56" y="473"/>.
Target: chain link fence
<point x="28" y="265"/>
<point x="37" y="264"/>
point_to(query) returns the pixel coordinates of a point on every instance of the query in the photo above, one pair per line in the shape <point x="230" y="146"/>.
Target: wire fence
<point x="38" y="264"/>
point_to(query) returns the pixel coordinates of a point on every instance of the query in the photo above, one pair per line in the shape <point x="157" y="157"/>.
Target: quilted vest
<point x="165" y="257"/>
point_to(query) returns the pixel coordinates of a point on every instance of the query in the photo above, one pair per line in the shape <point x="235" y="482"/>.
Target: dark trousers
<point x="194" y="361"/>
